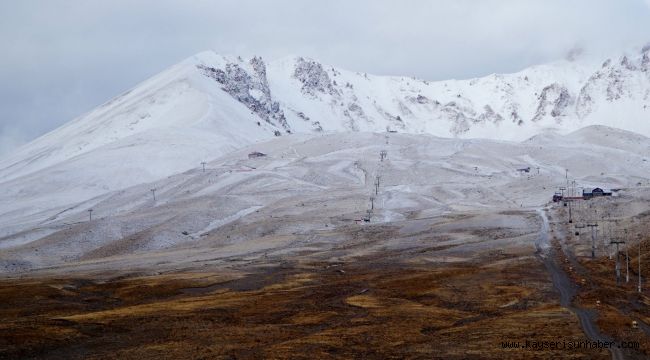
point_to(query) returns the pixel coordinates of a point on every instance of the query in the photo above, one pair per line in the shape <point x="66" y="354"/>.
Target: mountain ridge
<point x="209" y="105"/>
<point x="300" y="94"/>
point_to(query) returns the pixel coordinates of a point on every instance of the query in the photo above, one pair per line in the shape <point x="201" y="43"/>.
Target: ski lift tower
<point x="618" y="263"/>
<point x="627" y="260"/>
<point x="639" y="260"/>
<point x="594" y="235"/>
<point x="377" y="185"/>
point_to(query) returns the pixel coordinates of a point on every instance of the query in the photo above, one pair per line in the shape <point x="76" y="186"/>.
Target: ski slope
<point x="323" y="126"/>
<point x="312" y="183"/>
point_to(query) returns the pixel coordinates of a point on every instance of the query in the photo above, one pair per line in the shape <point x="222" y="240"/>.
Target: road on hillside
<point x="563" y="284"/>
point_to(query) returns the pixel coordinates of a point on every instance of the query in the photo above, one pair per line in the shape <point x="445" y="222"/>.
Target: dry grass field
<point x="365" y="309"/>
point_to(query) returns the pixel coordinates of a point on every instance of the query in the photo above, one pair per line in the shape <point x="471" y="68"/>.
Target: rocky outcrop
<point x="489" y="115"/>
<point x="250" y="89"/>
<point x="554" y="100"/>
<point x="313" y="77"/>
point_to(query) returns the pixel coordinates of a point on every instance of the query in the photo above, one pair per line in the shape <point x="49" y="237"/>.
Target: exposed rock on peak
<point x="313" y="77"/>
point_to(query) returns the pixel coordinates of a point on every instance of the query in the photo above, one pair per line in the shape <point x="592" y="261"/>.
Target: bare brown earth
<point x="615" y="305"/>
<point x="433" y="300"/>
<point x="365" y="309"/>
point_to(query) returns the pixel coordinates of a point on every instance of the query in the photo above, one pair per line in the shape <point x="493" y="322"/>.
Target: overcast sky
<point x="60" y="59"/>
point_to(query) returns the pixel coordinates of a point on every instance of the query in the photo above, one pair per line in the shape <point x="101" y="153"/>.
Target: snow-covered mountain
<point x="298" y="95"/>
<point x="209" y="105"/>
<point x="235" y="101"/>
<point x="307" y="191"/>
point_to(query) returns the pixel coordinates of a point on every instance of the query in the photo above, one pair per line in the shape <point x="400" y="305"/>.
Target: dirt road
<point x="566" y="288"/>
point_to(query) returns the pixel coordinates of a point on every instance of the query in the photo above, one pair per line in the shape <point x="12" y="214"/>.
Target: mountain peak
<point x="210" y="104"/>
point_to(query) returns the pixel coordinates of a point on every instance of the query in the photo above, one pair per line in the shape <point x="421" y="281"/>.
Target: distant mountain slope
<point x="251" y="100"/>
<point x="301" y="95"/>
<point x="210" y="105"/>
<point x="306" y="184"/>
<point x="178" y="103"/>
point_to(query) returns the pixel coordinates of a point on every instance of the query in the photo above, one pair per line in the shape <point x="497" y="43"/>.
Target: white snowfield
<point x="209" y="105"/>
<point x="323" y="129"/>
<point x="308" y="185"/>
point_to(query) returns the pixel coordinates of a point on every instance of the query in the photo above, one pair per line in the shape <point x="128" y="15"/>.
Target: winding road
<point x="563" y="284"/>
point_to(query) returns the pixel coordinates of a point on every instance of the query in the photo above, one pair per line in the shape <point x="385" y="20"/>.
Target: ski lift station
<point x="596" y="192"/>
<point x="586" y="195"/>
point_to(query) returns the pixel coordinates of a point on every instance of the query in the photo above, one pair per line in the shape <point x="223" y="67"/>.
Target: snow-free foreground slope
<point x="210" y="105"/>
<point x="310" y="184"/>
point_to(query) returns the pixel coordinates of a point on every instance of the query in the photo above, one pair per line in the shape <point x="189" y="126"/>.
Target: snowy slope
<point x="241" y="101"/>
<point x="167" y="124"/>
<point x="178" y="102"/>
<point x="566" y="95"/>
<point x="301" y="95"/>
<point x="210" y="105"/>
<point x="311" y="183"/>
